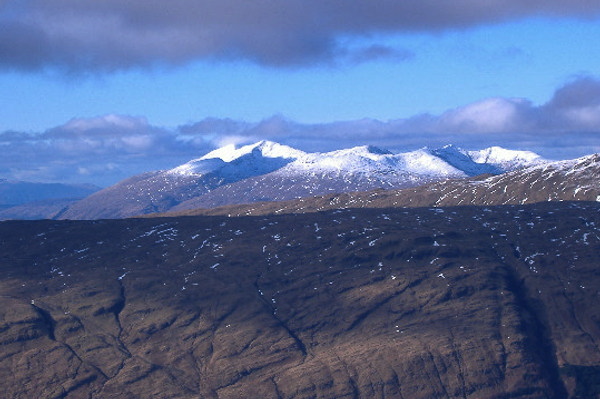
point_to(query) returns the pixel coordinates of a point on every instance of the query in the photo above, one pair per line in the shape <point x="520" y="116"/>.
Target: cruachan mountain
<point x="267" y="171"/>
<point x="465" y="302"/>
<point x="573" y="180"/>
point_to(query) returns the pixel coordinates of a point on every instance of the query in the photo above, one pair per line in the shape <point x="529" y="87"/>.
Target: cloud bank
<point x="100" y="150"/>
<point x="108" y="35"/>
<point x="105" y="149"/>
<point x="568" y="125"/>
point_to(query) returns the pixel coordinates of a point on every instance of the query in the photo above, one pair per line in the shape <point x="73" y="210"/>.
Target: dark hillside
<point x="469" y="302"/>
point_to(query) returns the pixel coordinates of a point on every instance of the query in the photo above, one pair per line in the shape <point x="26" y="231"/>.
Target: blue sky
<point x="97" y="91"/>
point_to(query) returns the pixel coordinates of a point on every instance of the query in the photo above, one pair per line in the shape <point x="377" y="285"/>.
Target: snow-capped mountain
<point x="268" y="171"/>
<point x="560" y="181"/>
<point x="265" y="157"/>
<point x="493" y="160"/>
<point x="235" y="163"/>
<point x="506" y="159"/>
<point x="360" y="169"/>
<point x="369" y="160"/>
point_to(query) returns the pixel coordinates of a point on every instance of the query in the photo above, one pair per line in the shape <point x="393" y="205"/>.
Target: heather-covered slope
<point x="138" y="195"/>
<point x="497" y="302"/>
<point x="45" y="209"/>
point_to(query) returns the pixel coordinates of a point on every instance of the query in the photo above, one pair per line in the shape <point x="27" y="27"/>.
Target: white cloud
<point x="488" y="116"/>
<point x="223" y="141"/>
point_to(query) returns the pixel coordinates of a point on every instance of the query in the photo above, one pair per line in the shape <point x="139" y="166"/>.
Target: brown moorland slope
<point x="468" y="302"/>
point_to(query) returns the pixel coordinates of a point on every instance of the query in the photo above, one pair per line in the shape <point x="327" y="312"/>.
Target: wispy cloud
<point x="108" y="148"/>
<point x="90" y="35"/>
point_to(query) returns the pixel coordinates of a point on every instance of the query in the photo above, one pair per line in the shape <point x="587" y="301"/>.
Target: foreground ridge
<point x="477" y="302"/>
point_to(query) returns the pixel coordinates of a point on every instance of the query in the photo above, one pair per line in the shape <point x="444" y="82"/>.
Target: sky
<point x="96" y="91"/>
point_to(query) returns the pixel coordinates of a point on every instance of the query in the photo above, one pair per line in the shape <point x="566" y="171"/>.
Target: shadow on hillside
<point x="587" y="380"/>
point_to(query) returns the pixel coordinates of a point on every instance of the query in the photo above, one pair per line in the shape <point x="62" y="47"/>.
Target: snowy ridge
<point x="199" y="167"/>
<point x="373" y="161"/>
<point x="236" y="163"/>
<point x="267" y="149"/>
<point x="446" y="162"/>
<point x="493" y="160"/>
<point x="506" y="159"/>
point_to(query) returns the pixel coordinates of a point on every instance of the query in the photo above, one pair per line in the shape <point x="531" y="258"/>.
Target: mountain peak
<point x="376" y="150"/>
<point x="500" y="154"/>
<point x="462" y="160"/>
<point x="368" y="151"/>
<point x="267" y="149"/>
<point x="274" y="155"/>
<point x="493" y="159"/>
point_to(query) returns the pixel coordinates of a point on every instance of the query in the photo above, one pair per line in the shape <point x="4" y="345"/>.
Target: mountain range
<point x="267" y="171"/>
<point x="572" y="180"/>
<point x="265" y="175"/>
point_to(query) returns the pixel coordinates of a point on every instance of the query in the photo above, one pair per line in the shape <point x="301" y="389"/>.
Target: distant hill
<point x="463" y="302"/>
<point x="43" y="209"/>
<point x="267" y="171"/>
<point x="30" y="200"/>
<point x="13" y="192"/>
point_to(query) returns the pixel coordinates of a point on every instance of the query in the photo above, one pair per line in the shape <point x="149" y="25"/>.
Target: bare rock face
<point x="469" y="302"/>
